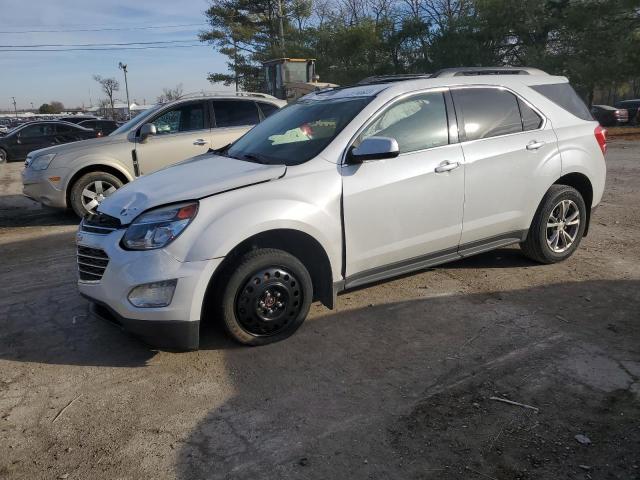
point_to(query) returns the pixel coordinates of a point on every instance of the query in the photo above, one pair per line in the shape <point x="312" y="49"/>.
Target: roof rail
<point x="222" y="93"/>
<point x="470" y="71"/>
<point x="392" y="78"/>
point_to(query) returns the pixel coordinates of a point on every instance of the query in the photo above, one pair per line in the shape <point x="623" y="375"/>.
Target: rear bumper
<point x="166" y="334"/>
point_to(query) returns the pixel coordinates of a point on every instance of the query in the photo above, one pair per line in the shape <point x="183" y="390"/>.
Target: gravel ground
<point x="397" y="383"/>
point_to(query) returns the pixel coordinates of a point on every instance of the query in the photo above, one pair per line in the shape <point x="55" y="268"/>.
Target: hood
<point x="194" y="179"/>
<point x="74" y="147"/>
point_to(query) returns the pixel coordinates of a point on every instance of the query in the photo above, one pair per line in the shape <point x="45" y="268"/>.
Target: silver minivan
<point x="81" y="175"/>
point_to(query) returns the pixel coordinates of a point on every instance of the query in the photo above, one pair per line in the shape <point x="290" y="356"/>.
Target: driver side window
<point x="417" y="123"/>
<point x="181" y="119"/>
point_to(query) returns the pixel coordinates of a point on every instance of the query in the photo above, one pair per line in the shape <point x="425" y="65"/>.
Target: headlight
<point x="42" y="162"/>
<point x="159" y="227"/>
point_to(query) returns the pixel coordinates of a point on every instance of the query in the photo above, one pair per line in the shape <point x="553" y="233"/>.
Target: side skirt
<point x="420" y="263"/>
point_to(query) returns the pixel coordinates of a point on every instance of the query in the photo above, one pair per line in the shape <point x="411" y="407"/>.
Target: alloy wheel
<point x="95" y="193"/>
<point x="269" y="301"/>
<point x="562" y="226"/>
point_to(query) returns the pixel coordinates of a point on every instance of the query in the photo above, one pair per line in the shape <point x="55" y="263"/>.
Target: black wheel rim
<point x="269" y="301"/>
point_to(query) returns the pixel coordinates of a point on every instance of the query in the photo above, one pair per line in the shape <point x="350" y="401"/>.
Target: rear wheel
<point x="558" y="226"/>
<point x="265" y="297"/>
<point x="3" y="156"/>
<point x="90" y="190"/>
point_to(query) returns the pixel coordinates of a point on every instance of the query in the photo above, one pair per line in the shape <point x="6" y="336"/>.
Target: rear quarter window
<point x="563" y="95"/>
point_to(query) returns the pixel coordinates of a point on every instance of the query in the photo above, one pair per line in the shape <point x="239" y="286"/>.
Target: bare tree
<point x="109" y="87"/>
<point x="169" y="94"/>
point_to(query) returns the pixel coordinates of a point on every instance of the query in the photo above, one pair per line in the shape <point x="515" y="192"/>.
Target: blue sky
<point x="40" y="77"/>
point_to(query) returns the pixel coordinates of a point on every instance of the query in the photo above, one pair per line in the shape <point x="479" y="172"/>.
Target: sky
<point x="40" y="77"/>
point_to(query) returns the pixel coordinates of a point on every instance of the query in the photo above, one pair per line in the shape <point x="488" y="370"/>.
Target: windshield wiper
<point x="221" y="150"/>
<point x="254" y="158"/>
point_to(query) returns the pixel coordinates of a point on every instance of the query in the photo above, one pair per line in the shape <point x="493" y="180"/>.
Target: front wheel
<point x="90" y="190"/>
<point x="557" y="227"/>
<point x="3" y="156"/>
<point x="265" y="297"/>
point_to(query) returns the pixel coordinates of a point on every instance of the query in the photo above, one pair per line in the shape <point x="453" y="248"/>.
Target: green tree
<point x="45" y="108"/>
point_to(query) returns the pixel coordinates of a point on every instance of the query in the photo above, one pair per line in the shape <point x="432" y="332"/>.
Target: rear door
<point x="511" y="156"/>
<point x="183" y="131"/>
<point x="232" y="119"/>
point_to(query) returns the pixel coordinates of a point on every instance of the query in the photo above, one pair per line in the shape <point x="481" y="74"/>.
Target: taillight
<point x="601" y="138"/>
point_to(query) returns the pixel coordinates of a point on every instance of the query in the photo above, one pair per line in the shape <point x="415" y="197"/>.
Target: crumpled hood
<point x="80" y="145"/>
<point x="193" y="179"/>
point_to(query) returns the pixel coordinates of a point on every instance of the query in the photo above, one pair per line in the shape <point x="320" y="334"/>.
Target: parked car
<point x="77" y="118"/>
<point x="610" y="116"/>
<point x="346" y="187"/>
<point x="156" y="138"/>
<point x="4" y="129"/>
<point x="17" y="143"/>
<point x="102" y="127"/>
<point x="633" y="107"/>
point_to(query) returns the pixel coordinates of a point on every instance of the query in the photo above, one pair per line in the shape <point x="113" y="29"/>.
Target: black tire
<point x="536" y="246"/>
<point x="4" y="158"/>
<point x="259" y="276"/>
<point x="90" y="178"/>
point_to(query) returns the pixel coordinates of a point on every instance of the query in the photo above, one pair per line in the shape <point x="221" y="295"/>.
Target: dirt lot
<point x="395" y="384"/>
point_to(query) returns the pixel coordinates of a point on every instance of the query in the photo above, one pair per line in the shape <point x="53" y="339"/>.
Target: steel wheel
<point x="563" y="226"/>
<point x="268" y="301"/>
<point x="94" y="194"/>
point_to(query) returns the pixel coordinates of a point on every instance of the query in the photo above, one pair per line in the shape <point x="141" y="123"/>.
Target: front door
<point x="402" y="213"/>
<point x="182" y="132"/>
<point x="34" y="137"/>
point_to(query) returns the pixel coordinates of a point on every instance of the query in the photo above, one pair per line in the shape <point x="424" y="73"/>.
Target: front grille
<point x="92" y="262"/>
<point x="99" y="223"/>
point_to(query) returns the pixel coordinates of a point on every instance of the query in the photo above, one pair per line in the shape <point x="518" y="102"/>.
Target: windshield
<point x="298" y="132"/>
<point x="125" y="127"/>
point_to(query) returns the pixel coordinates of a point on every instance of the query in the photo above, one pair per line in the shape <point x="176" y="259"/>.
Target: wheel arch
<point x="583" y="185"/>
<point x="295" y="242"/>
<point x="96" y="167"/>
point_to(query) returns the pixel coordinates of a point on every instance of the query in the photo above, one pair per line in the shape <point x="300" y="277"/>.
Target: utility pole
<point x="123" y="67"/>
<point x="14" y="106"/>
<point x="31" y="105"/>
<point x="281" y="25"/>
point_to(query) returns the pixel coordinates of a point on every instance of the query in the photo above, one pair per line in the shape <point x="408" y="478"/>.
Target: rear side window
<point x="487" y="112"/>
<point x="232" y="113"/>
<point x="530" y="119"/>
<point x="564" y="95"/>
<point x="267" y="108"/>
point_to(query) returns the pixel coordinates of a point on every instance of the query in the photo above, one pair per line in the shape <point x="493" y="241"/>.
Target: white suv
<point x="346" y="187"/>
<point x="82" y="174"/>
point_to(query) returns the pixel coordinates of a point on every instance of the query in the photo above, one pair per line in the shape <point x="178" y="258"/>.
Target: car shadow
<point x="20" y="211"/>
<point x="326" y="402"/>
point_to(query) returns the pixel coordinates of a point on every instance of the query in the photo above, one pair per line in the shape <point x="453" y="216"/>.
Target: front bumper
<point x="166" y="334"/>
<point x="174" y="326"/>
<point x="36" y="184"/>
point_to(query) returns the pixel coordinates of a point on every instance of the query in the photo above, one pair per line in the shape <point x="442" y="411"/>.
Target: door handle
<point x="200" y="142"/>
<point x="446" y="166"/>
<point x="534" y="145"/>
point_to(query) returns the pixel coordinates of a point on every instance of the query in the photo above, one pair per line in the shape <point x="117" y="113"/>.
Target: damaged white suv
<point x="346" y="187"/>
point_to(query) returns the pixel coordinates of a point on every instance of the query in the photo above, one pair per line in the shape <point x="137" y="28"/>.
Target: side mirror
<point x="374" y="148"/>
<point x="147" y="130"/>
